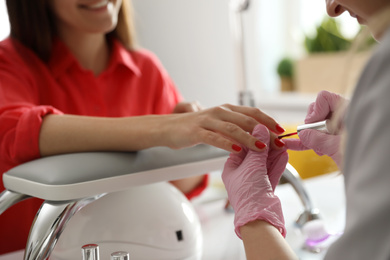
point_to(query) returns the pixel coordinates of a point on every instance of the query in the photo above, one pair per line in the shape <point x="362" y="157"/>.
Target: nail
<point x="280" y="129"/>
<point x="236" y="148"/>
<point x="260" y="145"/>
<point x="278" y="142"/>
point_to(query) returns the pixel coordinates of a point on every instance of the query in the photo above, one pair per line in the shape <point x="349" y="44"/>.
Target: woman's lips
<point x="95" y="5"/>
<point x="358" y="18"/>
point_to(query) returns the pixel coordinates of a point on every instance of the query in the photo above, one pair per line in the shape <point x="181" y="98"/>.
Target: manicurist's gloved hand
<point x="323" y="108"/>
<point x="250" y="178"/>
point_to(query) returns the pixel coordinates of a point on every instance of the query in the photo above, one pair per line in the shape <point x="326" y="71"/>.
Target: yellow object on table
<point x="308" y="163"/>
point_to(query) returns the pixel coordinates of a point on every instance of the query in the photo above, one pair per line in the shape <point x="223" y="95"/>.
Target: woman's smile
<point x="97" y="5"/>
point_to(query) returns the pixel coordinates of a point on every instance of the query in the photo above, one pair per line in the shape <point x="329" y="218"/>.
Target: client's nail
<point x="279" y="142"/>
<point x="280" y="129"/>
<point x="236" y="148"/>
<point x="260" y="145"/>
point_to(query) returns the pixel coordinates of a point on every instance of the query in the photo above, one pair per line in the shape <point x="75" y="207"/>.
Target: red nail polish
<point x="236" y="148"/>
<point x="279" y="143"/>
<point x="260" y="145"/>
<point x="280" y="129"/>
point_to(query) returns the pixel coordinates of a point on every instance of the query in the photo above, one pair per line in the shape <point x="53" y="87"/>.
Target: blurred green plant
<point x="328" y="38"/>
<point x="286" y="68"/>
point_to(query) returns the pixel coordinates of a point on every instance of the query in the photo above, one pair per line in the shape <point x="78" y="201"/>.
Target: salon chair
<point x="69" y="182"/>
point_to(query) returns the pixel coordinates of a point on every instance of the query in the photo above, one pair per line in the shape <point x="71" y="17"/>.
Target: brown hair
<point x="33" y="24"/>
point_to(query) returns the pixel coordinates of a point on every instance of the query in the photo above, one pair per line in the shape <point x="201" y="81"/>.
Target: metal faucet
<point x="237" y="7"/>
<point x="291" y="176"/>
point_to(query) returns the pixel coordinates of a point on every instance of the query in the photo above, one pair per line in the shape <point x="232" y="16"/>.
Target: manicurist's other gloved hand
<point x="250" y="178"/>
<point x="323" y="108"/>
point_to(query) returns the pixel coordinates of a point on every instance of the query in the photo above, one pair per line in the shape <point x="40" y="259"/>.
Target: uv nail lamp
<point x="136" y="210"/>
<point x="154" y="221"/>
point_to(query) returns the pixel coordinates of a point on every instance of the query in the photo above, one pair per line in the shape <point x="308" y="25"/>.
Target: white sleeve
<point x="367" y="165"/>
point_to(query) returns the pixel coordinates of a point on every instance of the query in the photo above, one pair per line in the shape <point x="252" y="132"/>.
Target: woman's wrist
<point x="264" y="241"/>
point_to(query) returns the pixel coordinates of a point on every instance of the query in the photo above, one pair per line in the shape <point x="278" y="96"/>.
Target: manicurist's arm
<point x="262" y="241"/>
<point x="250" y="178"/>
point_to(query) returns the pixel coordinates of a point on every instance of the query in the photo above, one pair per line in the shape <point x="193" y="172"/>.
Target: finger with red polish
<point x="279" y="143"/>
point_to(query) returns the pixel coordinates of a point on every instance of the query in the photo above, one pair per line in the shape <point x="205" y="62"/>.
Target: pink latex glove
<point x="326" y="104"/>
<point x="250" y="178"/>
<point x="322" y="143"/>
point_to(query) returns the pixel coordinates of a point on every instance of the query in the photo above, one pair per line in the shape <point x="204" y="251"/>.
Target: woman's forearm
<point x="263" y="241"/>
<point x="68" y="134"/>
<point x="225" y="127"/>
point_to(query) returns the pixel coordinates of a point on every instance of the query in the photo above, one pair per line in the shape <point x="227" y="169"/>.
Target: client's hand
<point x="250" y="178"/>
<point x="324" y="107"/>
<point x="226" y="127"/>
<point x="185" y="107"/>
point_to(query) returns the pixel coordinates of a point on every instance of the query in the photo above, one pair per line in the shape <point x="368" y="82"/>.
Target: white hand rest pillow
<point x="80" y="175"/>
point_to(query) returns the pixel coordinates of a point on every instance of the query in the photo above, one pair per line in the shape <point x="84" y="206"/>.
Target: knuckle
<point x="249" y="121"/>
<point x="257" y="113"/>
<point x="231" y="128"/>
<point x="207" y="137"/>
<point x="216" y="110"/>
<point x="222" y="142"/>
<point x="203" y="119"/>
<point x="226" y="107"/>
<point x="255" y="110"/>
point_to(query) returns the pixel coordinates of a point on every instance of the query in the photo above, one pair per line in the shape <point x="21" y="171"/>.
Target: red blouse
<point x="134" y="83"/>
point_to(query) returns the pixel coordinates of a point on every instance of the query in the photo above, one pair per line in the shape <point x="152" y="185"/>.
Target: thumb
<point x="261" y="132"/>
<point x="295" y="144"/>
<point x="235" y="159"/>
<point x="276" y="164"/>
<point x="326" y="103"/>
<point x="321" y="143"/>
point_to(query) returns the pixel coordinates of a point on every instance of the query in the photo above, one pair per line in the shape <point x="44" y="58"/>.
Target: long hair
<point x="33" y="24"/>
